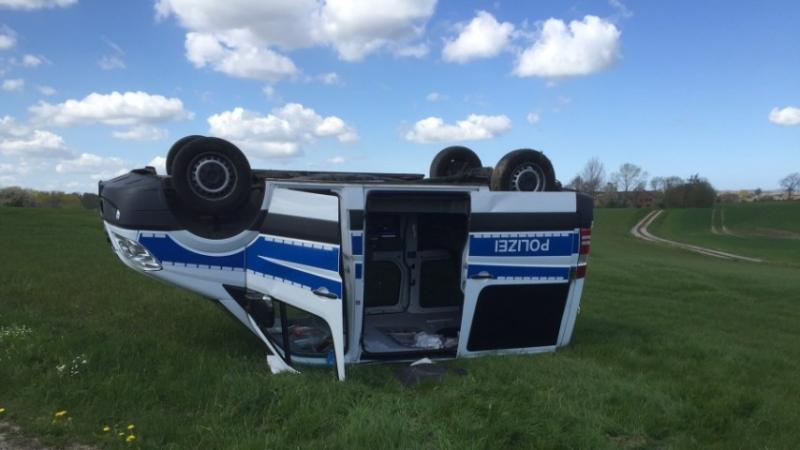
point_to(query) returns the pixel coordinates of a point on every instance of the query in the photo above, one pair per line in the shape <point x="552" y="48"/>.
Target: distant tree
<point x="576" y="183"/>
<point x="657" y="183"/>
<point x="90" y="201"/>
<point x="17" y="197"/>
<point x="758" y="192"/>
<point x="593" y="176"/>
<point x="630" y="178"/>
<point x="696" y="192"/>
<point x="791" y="183"/>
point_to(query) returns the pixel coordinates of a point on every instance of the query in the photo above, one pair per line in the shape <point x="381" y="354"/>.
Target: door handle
<point x="324" y="292"/>
<point x="482" y="275"/>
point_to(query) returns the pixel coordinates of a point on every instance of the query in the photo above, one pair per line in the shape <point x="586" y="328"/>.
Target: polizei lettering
<point x="521" y="245"/>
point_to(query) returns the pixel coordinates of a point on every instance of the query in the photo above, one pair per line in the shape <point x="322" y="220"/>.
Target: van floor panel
<point x="378" y="329"/>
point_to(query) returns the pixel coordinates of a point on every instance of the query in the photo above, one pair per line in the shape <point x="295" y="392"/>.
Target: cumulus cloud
<point x="533" y="118"/>
<point x="128" y="108"/>
<point x="99" y="167"/>
<point x="141" y="133"/>
<point x="435" y="97"/>
<point x="8" y="38"/>
<point x="412" y="51"/>
<point x="330" y="78"/>
<point x="13" y="84"/>
<point x="237" y="56"/>
<point x="580" y="48"/>
<point x="475" y="127"/>
<point x="280" y="133"/>
<point x="35" y="143"/>
<point x="483" y="37"/>
<point x="36" y="4"/>
<point x="787" y="116"/>
<point x="232" y="37"/>
<point x="31" y="61"/>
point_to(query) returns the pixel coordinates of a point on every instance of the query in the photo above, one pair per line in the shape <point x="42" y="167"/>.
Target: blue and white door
<point x="518" y="267"/>
<point x="296" y="261"/>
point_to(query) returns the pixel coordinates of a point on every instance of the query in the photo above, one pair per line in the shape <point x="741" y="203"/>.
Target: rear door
<point x="520" y="256"/>
<point x="296" y="261"/>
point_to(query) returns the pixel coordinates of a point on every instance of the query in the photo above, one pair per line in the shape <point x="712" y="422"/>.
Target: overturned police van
<point x="335" y="268"/>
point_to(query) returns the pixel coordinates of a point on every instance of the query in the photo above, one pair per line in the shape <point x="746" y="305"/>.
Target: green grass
<point x="671" y="350"/>
<point x="763" y="218"/>
<point x="693" y="226"/>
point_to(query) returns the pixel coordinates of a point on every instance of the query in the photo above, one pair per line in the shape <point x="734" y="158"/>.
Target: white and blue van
<point x="335" y="268"/>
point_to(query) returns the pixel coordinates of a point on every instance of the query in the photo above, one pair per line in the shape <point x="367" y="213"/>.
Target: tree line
<point x="28" y="198"/>
<point x="628" y="187"/>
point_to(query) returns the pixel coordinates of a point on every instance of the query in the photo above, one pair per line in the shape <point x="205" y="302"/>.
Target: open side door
<point x="518" y="271"/>
<point x="296" y="261"/>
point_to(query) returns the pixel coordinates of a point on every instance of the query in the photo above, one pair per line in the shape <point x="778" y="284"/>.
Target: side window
<point x="306" y="334"/>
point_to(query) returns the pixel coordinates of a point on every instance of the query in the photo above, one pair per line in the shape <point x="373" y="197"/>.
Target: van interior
<point x="413" y="298"/>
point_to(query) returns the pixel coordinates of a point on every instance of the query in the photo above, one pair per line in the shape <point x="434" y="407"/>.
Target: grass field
<point x="693" y="226"/>
<point x="671" y="350"/>
<point x="764" y="218"/>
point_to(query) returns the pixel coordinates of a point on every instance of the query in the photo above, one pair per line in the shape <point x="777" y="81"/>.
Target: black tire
<point x="176" y="147"/>
<point x="454" y="161"/>
<point x="524" y="170"/>
<point x="211" y="176"/>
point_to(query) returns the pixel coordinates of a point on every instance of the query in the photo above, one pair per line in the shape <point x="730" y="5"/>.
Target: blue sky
<point x="93" y="88"/>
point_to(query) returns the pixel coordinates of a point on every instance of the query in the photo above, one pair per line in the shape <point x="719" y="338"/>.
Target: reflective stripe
<point x="529" y="272"/>
<point x="306" y="253"/>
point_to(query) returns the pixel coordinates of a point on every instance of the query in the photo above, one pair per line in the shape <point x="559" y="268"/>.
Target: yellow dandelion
<point x="61" y="413"/>
<point x="130" y="438"/>
<point x="106" y="429"/>
<point x="2" y="410"/>
<point x="131" y="426"/>
<point x="121" y="433"/>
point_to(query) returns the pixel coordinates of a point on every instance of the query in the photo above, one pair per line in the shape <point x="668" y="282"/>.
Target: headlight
<point x="135" y="253"/>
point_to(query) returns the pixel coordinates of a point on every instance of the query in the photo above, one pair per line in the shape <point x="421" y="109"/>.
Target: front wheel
<point x="211" y="176"/>
<point x="454" y="161"/>
<point x="524" y="170"/>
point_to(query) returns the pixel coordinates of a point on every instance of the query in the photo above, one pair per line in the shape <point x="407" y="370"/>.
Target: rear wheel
<point x="176" y="147"/>
<point x="454" y="161"/>
<point x="211" y="176"/>
<point x="524" y="170"/>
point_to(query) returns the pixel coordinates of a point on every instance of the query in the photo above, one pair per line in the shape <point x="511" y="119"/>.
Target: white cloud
<point x="8" y="38"/>
<point x="33" y="143"/>
<point x="353" y="28"/>
<point x="111" y="62"/>
<point x="621" y="9"/>
<point x="36" y="4"/>
<point x="483" y="37"/>
<point x="533" y="118"/>
<point x="141" y="133"/>
<point x="331" y="78"/>
<point x="31" y="61"/>
<point x="98" y="167"/>
<point x="280" y="133"/>
<point x="13" y="84"/>
<point x="128" y="108"/>
<point x="584" y="47"/>
<point x="412" y="51"/>
<point x="47" y="90"/>
<point x="435" y="97"/>
<point x="160" y="164"/>
<point x="336" y="160"/>
<point x="787" y="116"/>
<point x="236" y="56"/>
<point x="475" y="127"/>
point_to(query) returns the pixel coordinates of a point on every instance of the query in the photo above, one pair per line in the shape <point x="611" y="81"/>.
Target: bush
<point x="695" y="193"/>
<point x="17" y="197"/>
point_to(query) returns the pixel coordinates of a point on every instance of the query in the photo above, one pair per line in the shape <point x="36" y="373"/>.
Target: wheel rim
<point x="212" y="176"/>
<point x="528" y="177"/>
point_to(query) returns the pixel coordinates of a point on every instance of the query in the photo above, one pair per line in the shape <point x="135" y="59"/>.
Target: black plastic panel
<point x="518" y="316"/>
<point x="302" y="228"/>
<point x="547" y="221"/>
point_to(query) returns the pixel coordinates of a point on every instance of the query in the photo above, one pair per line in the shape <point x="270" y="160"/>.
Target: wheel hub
<point x="527" y="178"/>
<point x="212" y="176"/>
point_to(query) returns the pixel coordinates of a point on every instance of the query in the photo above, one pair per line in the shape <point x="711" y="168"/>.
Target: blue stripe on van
<point x="359" y="270"/>
<point x="357" y="243"/>
<point x="497" y="271"/>
<point x="167" y="250"/>
<point x="523" y="244"/>
<point x="292" y="275"/>
<point x="323" y="257"/>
